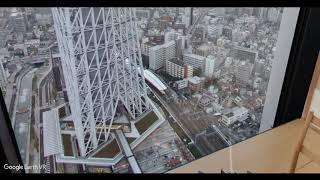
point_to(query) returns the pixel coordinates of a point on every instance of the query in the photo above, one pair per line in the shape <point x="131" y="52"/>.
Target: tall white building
<point x="194" y="60"/>
<point x="159" y="54"/>
<point x="179" y="39"/>
<point x="156" y="57"/>
<point x="100" y="56"/>
<point x="209" y="66"/>
<point x="243" y="71"/>
<point x="18" y="22"/>
<point x="145" y="47"/>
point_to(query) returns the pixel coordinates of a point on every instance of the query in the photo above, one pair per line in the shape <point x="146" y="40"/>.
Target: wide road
<point x="23" y="115"/>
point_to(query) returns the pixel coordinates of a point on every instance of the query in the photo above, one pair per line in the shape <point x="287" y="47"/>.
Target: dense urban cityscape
<point x="133" y="90"/>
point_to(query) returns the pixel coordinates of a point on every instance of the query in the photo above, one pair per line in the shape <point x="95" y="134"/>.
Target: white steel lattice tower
<point x="101" y="57"/>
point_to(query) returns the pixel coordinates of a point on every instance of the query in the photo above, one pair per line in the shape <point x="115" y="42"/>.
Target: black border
<point x="162" y="3"/>
<point x="8" y="145"/>
<point x="301" y="64"/>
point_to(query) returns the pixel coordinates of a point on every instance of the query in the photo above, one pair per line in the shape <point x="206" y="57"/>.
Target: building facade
<point x="178" y="69"/>
<point x="194" y="60"/>
<point x="209" y="66"/>
<point x="159" y="54"/>
<point x="196" y="84"/>
<point x="18" y="22"/>
<point x="243" y="72"/>
<point x="236" y="114"/>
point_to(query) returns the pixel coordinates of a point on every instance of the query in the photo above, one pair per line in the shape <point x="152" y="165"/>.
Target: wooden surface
<point x="301" y="138"/>
<point x="269" y="152"/>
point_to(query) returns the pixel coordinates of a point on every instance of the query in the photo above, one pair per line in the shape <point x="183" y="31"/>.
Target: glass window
<point x="131" y="90"/>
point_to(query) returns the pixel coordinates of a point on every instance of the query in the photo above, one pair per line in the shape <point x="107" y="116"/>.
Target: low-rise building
<point x="234" y="115"/>
<point x="178" y="69"/>
<point x="204" y="101"/>
<point x="181" y="84"/>
<point x="196" y="83"/>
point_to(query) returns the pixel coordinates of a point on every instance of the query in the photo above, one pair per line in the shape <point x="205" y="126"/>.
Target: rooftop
<point x="154" y="80"/>
<point x="51" y="133"/>
<point x="176" y="61"/>
<point x="195" y="79"/>
<point x="204" y="47"/>
<point x="195" y="56"/>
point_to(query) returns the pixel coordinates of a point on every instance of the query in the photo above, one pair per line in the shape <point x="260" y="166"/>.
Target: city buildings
<point x="259" y="66"/>
<point x="43" y="19"/>
<point x="145" y="46"/>
<point x="187" y="18"/>
<point x="227" y="32"/>
<point x="18" y="22"/>
<point x="159" y="54"/>
<point x="217" y="11"/>
<point x="195" y="83"/>
<point x="156" y="57"/>
<point x="96" y="75"/>
<point x="243" y="71"/>
<point x="204" y="50"/>
<point x="234" y="115"/>
<point x="177" y="68"/>
<point x="215" y="30"/>
<point x="181" y="84"/>
<point x="3" y="37"/>
<point x="209" y="66"/>
<point x="143" y="13"/>
<point x="273" y="14"/>
<point x="179" y="39"/>
<point x="244" y="54"/>
<point x="194" y="60"/>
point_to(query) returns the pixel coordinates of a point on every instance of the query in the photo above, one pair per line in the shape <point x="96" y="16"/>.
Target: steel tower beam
<point x="100" y="55"/>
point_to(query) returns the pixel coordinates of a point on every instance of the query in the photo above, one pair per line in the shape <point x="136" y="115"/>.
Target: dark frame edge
<point x="8" y="143"/>
<point x="300" y="68"/>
